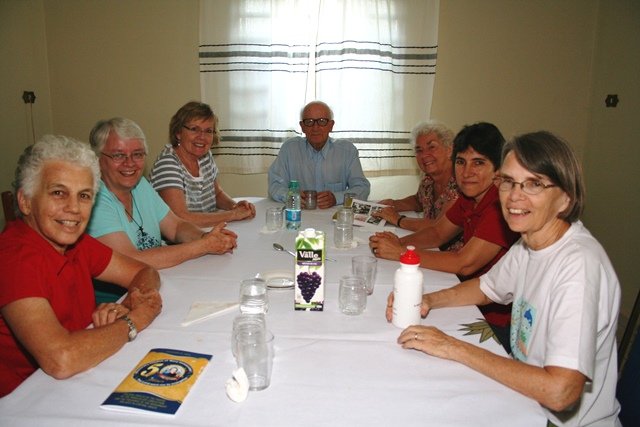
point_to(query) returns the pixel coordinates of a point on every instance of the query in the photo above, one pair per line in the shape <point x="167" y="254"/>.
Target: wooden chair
<point x="7" y="206"/>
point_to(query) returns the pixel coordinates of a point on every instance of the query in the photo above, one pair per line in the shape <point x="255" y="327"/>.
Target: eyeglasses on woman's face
<point x="530" y="186"/>
<point x="195" y="130"/>
<point x="119" y="158"/>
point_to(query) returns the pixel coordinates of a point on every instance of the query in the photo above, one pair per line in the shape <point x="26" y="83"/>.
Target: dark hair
<point x="485" y="138"/>
<point x="543" y="153"/>
<point x="189" y="111"/>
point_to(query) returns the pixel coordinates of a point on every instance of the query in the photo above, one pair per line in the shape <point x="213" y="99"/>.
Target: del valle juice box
<point x="309" y="270"/>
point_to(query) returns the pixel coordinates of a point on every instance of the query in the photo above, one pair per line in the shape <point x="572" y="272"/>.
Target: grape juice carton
<point x="309" y="270"/>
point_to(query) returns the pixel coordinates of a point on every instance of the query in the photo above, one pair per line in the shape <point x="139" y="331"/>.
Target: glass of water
<point x="253" y="296"/>
<point x="343" y="229"/>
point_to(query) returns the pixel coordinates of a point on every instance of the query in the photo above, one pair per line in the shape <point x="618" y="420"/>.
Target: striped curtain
<point x="372" y="61"/>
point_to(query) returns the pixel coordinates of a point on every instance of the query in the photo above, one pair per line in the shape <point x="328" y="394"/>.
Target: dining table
<point x="329" y="368"/>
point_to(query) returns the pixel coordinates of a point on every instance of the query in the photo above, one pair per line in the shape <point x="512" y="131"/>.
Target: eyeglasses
<point x="118" y="158"/>
<point x="310" y="122"/>
<point x="197" y="131"/>
<point x="529" y="186"/>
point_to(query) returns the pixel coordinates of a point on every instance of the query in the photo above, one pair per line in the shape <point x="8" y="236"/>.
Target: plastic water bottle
<point x="407" y="290"/>
<point x="292" y="212"/>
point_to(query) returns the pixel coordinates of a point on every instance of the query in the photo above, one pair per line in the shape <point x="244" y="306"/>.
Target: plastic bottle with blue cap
<point x="407" y="290"/>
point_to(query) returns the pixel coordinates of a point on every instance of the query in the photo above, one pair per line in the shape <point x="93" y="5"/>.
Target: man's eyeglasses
<point x="197" y="131"/>
<point x="118" y="158"/>
<point x="529" y="186"/>
<point x="310" y="122"/>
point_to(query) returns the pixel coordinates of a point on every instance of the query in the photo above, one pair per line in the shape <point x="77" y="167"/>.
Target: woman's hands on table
<point x="429" y="340"/>
<point x="220" y="240"/>
<point x="386" y="245"/>
<point x="243" y="210"/>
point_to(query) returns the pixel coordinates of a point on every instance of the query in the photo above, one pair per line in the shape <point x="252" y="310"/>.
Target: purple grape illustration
<point x="308" y="283"/>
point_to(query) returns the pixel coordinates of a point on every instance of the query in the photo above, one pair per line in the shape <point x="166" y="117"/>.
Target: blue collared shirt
<point x="335" y="168"/>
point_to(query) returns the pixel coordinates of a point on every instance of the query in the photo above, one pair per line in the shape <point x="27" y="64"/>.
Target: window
<point x="372" y="61"/>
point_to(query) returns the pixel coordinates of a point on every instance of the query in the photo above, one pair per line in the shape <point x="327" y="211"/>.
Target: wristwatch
<point x="133" y="331"/>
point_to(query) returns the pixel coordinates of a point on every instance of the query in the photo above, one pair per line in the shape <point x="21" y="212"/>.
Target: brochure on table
<point x="159" y="383"/>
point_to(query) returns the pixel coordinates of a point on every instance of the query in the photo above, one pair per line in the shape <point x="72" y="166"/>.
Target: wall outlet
<point x="28" y="97"/>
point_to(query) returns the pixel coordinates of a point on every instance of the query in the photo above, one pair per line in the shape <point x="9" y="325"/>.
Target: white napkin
<point x="237" y="387"/>
<point x="202" y="310"/>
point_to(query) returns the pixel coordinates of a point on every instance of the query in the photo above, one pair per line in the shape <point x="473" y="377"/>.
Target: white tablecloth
<point x="329" y="368"/>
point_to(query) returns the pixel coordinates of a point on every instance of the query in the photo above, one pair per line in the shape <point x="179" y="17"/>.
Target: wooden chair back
<point x="7" y="206"/>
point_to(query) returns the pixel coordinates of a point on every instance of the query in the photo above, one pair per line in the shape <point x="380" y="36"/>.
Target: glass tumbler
<point x="352" y="295"/>
<point x="253" y="296"/>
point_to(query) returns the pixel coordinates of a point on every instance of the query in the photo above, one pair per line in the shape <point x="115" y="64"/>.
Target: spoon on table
<point x="279" y="247"/>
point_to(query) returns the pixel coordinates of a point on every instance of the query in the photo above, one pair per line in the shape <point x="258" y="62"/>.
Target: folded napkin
<point x="237" y="387"/>
<point x="202" y="310"/>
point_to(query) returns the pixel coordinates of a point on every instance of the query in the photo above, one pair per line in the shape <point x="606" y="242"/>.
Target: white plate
<point x="278" y="279"/>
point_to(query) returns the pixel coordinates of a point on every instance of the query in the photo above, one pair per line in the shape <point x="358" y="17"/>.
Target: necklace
<point x="133" y="202"/>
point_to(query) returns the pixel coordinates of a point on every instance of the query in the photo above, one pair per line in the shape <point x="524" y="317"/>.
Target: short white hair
<point x="48" y="149"/>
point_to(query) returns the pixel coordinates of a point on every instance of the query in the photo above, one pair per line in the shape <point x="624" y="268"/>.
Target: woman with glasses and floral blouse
<point x="130" y="217"/>
<point x="438" y="190"/>
<point x="185" y="174"/>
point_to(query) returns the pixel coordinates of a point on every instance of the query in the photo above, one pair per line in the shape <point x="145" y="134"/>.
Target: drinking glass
<point x="246" y="324"/>
<point x="343" y="228"/>
<point x="348" y="199"/>
<point x="273" y="219"/>
<point x="255" y="356"/>
<point x="352" y="295"/>
<point x="253" y="296"/>
<point x="310" y="199"/>
<point x="365" y="266"/>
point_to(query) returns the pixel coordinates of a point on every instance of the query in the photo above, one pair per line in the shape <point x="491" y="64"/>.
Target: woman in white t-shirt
<point x="564" y="291"/>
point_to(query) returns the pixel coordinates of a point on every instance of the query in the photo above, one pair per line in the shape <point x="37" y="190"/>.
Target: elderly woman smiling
<point x="130" y="217"/>
<point x="564" y="291"/>
<point x="46" y="266"/>
<point x="185" y="174"/>
<point x="438" y="190"/>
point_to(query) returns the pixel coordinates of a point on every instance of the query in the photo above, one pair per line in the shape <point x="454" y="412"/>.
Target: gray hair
<point x="544" y="153"/>
<point x="124" y="128"/>
<point x="316" y="103"/>
<point x="444" y="134"/>
<point x="51" y="148"/>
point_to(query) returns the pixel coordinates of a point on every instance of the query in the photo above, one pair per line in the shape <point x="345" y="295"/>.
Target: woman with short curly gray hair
<point x="438" y="191"/>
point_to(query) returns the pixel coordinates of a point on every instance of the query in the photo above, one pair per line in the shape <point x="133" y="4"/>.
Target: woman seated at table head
<point x="438" y="190"/>
<point x="130" y="217"/>
<point x="46" y="266"/>
<point x="564" y="291"/>
<point x="185" y="174"/>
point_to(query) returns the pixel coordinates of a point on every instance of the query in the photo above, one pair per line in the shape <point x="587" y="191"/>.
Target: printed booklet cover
<point x="159" y="383"/>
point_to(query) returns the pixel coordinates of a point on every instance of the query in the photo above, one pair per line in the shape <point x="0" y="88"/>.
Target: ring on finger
<point x="415" y="336"/>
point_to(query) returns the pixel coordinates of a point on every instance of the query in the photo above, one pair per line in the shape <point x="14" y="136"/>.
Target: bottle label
<point x="293" y="215"/>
